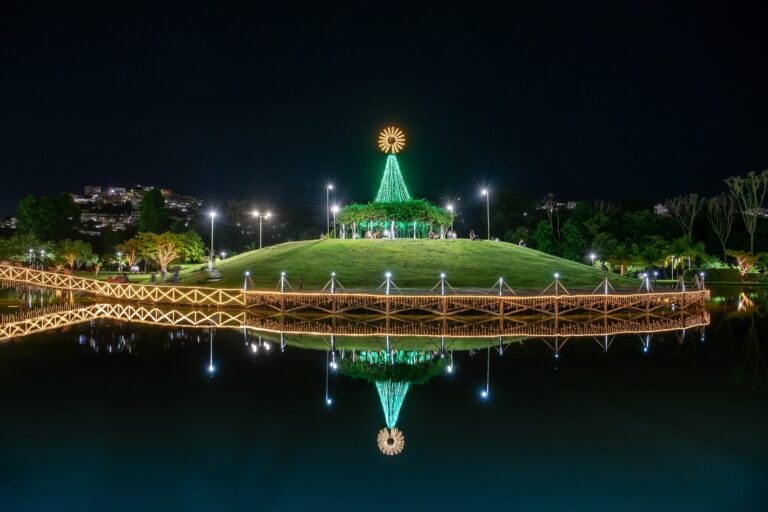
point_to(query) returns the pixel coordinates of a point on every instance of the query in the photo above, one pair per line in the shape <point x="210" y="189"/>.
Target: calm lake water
<point x="112" y="415"/>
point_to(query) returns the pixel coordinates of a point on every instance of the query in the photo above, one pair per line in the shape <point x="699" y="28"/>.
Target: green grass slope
<point x="415" y="264"/>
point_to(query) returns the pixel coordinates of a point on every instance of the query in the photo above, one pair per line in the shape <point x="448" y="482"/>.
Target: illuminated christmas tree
<point x="392" y="188"/>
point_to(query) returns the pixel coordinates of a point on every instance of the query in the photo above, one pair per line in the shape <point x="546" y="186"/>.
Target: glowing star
<point x="390" y="441"/>
<point x="391" y="140"/>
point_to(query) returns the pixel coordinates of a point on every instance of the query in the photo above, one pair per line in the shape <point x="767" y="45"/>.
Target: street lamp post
<point x="119" y="261"/>
<point x="334" y="209"/>
<point x="592" y="257"/>
<point x="673" y="266"/>
<point x="487" y="195"/>
<point x="450" y="209"/>
<point x="211" y="263"/>
<point x="328" y="208"/>
<point x="261" y="217"/>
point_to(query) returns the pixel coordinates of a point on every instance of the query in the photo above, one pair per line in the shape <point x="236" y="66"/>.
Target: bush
<point x="715" y="275"/>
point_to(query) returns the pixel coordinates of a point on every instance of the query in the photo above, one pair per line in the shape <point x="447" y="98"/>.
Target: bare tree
<point x="549" y="204"/>
<point x="685" y="209"/>
<point x="721" y="211"/>
<point x="749" y="192"/>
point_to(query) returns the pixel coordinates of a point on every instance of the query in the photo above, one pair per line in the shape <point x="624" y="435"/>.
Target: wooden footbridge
<point x="62" y="316"/>
<point x="502" y="305"/>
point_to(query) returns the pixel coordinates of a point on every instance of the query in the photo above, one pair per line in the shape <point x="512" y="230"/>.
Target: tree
<point x="550" y="206"/>
<point x="572" y="244"/>
<point x="191" y="248"/>
<point x="162" y="249"/>
<point x="684" y="248"/>
<point x="17" y="247"/>
<point x="749" y="192"/>
<point x="74" y="252"/>
<point x="131" y="250"/>
<point x="153" y="216"/>
<point x="542" y="237"/>
<point x="651" y="252"/>
<point x="623" y="255"/>
<point x="745" y="260"/>
<point x="720" y="213"/>
<point x="685" y="209"/>
<point x="48" y="217"/>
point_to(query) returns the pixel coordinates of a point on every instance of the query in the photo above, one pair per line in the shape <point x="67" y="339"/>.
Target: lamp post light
<point x="328" y="208"/>
<point x="592" y="257"/>
<point x="42" y="259"/>
<point x="31" y="257"/>
<point x="245" y="281"/>
<point x="119" y="261"/>
<point x="673" y="266"/>
<point x="261" y="217"/>
<point x="334" y="209"/>
<point x="450" y="209"/>
<point x="487" y="195"/>
<point x="388" y="275"/>
<point x="212" y="253"/>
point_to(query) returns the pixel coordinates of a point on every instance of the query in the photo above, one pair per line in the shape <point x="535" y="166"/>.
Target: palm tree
<point x="623" y="255"/>
<point x="685" y="248"/>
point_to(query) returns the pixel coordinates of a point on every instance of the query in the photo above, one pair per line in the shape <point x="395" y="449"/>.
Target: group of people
<point x="431" y="235"/>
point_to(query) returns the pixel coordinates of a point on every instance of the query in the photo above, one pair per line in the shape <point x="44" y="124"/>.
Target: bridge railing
<point x="196" y="296"/>
<point x="347" y="302"/>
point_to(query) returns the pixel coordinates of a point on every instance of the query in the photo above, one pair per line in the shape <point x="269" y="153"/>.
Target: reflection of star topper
<point x="390" y="441"/>
<point x="391" y="140"/>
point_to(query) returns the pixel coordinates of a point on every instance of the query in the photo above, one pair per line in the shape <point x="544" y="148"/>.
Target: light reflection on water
<point x="518" y="407"/>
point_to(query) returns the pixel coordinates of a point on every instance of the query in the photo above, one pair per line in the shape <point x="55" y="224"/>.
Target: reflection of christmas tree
<point x="392" y="395"/>
<point x="393" y="374"/>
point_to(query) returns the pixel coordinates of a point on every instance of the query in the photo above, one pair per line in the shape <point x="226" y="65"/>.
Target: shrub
<point x="715" y="275"/>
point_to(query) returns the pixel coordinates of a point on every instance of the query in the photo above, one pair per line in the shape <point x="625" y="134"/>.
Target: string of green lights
<point x="392" y="188"/>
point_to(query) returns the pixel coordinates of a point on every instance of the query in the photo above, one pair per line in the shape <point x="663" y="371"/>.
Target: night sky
<point x="607" y="101"/>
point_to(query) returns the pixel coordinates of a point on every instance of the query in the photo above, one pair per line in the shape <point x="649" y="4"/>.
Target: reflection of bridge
<point x="500" y="307"/>
<point x="44" y="319"/>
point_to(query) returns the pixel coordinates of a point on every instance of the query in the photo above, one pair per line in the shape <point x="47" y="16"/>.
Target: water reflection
<point x="403" y="352"/>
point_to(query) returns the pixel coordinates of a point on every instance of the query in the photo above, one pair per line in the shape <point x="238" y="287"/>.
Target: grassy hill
<point x="361" y="264"/>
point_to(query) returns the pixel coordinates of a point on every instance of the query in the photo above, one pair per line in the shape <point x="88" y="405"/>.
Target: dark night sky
<point x="643" y="100"/>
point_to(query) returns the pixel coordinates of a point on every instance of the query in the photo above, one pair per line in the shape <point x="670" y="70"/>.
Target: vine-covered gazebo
<point x="394" y="213"/>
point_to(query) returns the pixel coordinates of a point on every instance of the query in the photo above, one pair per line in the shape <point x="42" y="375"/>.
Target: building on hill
<point x="116" y="208"/>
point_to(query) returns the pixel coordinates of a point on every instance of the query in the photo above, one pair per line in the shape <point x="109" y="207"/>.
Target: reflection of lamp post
<point x="211" y="263"/>
<point x="334" y="209"/>
<point x="261" y="217"/>
<point x="210" y="360"/>
<point x="487" y="391"/>
<point x="487" y="195"/>
<point x="328" y="400"/>
<point x="328" y="208"/>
